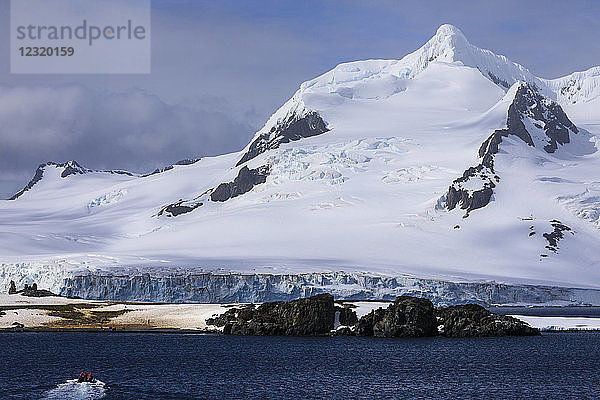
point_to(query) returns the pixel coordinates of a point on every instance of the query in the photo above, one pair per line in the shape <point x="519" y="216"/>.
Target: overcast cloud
<point x="133" y="130"/>
<point x="220" y="68"/>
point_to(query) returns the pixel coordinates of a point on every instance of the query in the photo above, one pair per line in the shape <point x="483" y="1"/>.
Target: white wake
<point x="72" y="389"/>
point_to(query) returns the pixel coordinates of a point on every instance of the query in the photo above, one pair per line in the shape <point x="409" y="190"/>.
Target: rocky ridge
<point x="528" y="106"/>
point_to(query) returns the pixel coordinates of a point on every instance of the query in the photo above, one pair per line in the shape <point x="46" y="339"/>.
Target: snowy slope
<point x="375" y="167"/>
<point x="577" y="87"/>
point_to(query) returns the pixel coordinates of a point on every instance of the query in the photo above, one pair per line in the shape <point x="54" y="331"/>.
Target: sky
<point x="221" y="68"/>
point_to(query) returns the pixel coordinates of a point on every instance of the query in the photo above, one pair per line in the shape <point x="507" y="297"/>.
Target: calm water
<point x="162" y="366"/>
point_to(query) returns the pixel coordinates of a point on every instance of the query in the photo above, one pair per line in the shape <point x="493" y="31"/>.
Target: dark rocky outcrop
<point x="416" y="317"/>
<point x="72" y="168"/>
<point x="470" y="200"/>
<point x="347" y="316"/>
<point x="556" y="235"/>
<point x="527" y="103"/>
<point x="472" y="320"/>
<point x="243" y="183"/>
<point x="36" y="293"/>
<point x="175" y="209"/>
<point x="39" y="174"/>
<point x="406" y="317"/>
<point x="187" y="161"/>
<point x="293" y="127"/>
<point x="17" y="327"/>
<point x="304" y="317"/>
<point x="29" y="291"/>
<point x="556" y="125"/>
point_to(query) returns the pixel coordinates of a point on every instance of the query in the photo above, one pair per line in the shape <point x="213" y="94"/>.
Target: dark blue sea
<point x="178" y="366"/>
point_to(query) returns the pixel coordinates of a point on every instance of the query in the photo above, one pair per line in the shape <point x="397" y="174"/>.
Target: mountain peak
<point x="447" y="45"/>
<point x="451" y="32"/>
<point x="64" y="170"/>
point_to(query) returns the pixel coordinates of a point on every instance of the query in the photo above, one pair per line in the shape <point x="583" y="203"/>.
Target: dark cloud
<point x="132" y="130"/>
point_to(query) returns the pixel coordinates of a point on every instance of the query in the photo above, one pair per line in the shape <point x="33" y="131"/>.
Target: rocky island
<point x="405" y="317"/>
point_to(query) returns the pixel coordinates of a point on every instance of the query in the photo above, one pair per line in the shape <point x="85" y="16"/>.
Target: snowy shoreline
<point x="55" y="314"/>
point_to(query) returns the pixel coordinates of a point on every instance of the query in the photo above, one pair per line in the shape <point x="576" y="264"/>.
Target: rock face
<point x="471" y="320"/>
<point x="293" y="127"/>
<point x="178" y="208"/>
<point x="243" y="183"/>
<point x="304" y="317"/>
<point x="406" y="317"/>
<point x="187" y="161"/>
<point x="556" y="235"/>
<point x="530" y="105"/>
<point x="347" y="316"/>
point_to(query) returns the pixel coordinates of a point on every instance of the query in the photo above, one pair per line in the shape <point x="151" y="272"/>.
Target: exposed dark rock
<point x="416" y="317"/>
<point x="472" y="320"/>
<point x="175" y="209"/>
<point x="347" y="315"/>
<point x="13" y="288"/>
<point x="36" y="293"/>
<point x="528" y="102"/>
<point x="498" y="81"/>
<point x="187" y="161"/>
<point x="406" y="317"/>
<point x="72" y="168"/>
<point x="39" y="174"/>
<point x="17" y="326"/>
<point x="234" y="314"/>
<point x="243" y="183"/>
<point x="29" y="291"/>
<point x="292" y="128"/>
<point x="470" y="200"/>
<point x="304" y="317"/>
<point x="556" y="235"/>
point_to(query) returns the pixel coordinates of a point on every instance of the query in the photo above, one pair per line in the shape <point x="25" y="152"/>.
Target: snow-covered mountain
<point x="451" y="164"/>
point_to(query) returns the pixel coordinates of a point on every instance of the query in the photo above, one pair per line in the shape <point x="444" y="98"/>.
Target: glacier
<point x="185" y="286"/>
